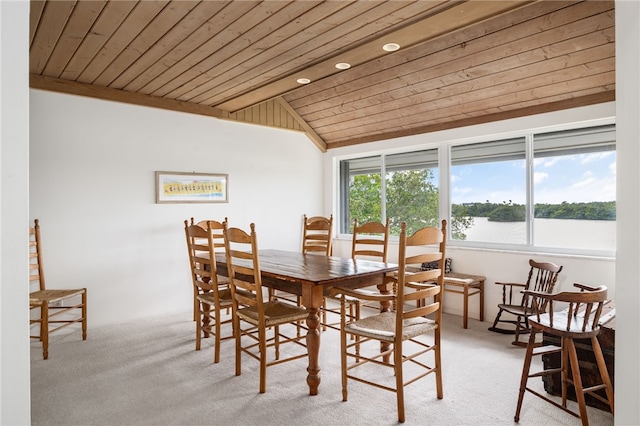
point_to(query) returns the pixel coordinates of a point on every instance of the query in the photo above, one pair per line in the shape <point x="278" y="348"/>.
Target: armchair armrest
<point x="509" y="300"/>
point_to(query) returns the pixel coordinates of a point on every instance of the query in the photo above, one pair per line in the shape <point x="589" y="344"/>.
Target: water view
<point x="568" y="233"/>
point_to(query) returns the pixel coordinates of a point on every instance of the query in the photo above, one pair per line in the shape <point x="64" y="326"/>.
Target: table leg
<point x="312" y="299"/>
<point x="481" y="300"/>
<point x="465" y="313"/>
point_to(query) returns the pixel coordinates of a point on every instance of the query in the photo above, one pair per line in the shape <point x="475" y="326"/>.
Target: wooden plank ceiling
<point x="459" y="62"/>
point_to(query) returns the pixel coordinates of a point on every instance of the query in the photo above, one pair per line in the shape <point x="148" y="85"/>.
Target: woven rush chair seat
<point x="383" y="327"/>
<point x="50" y="296"/>
<point x="224" y="295"/>
<point x="275" y="313"/>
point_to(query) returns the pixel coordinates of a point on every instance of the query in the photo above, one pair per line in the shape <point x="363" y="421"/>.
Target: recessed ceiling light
<point x="303" y="81"/>
<point x="391" y="47"/>
<point x="343" y="66"/>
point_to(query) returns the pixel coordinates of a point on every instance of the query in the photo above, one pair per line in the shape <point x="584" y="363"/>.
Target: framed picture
<point x="175" y="187"/>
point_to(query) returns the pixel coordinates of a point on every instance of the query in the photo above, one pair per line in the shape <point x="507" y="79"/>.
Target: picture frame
<point x="184" y="187"/>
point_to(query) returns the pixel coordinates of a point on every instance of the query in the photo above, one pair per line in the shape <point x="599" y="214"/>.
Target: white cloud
<point x="539" y="177"/>
<point x="588" y="158"/>
<point x="462" y="190"/>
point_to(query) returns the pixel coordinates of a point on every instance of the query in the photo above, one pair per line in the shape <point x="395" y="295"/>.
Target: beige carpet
<point x="148" y="373"/>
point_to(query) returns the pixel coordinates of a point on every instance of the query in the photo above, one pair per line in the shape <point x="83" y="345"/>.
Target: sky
<point x="570" y="178"/>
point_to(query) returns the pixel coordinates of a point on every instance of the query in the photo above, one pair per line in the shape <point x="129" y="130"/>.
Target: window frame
<point x="444" y="189"/>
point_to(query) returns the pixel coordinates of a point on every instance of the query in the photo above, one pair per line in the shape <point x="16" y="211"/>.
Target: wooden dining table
<point x="311" y="276"/>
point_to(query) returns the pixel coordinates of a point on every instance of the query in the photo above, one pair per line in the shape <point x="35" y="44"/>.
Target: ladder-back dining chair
<point x="255" y="316"/>
<point x="396" y="338"/>
<point x="211" y="297"/>
<point x="215" y="228"/>
<point x="58" y="308"/>
<point x="370" y="241"/>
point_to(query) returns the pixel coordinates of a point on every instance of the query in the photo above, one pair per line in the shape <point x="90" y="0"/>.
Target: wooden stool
<point x="467" y="282"/>
<point x="579" y="321"/>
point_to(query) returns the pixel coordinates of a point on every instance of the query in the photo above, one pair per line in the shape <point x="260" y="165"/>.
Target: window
<point x="574" y="192"/>
<point x="408" y="192"/>
<point x="539" y="191"/>
<point x="488" y="192"/>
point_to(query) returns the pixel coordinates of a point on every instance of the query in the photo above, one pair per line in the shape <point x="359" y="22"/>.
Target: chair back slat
<point x="201" y="249"/>
<point x="370" y="240"/>
<point x="36" y="272"/>
<point x="243" y="266"/>
<point x="316" y="235"/>
<point x="423" y="287"/>
<point x="542" y="278"/>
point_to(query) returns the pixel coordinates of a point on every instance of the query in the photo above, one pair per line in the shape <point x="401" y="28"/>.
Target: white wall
<point x="14" y="162"/>
<point x="495" y="265"/>
<point x="92" y="187"/>
<point x="627" y="384"/>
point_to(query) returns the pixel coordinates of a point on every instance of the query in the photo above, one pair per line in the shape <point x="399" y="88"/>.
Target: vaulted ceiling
<point x="459" y="62"/>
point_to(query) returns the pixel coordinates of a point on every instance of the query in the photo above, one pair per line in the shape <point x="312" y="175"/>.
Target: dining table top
<point x="314" y="269"/>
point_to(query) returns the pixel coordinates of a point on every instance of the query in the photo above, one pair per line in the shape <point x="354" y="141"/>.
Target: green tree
<point x="365" y="199"/>
<point x="411" y="196"/>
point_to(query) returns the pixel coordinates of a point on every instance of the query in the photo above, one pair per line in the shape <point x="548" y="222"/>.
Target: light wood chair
<point x="542" y="278"/>
<point x="58" y="307"/>
<point x="211" y="296"/>
<point x="253" y="315"/>
<point x="390" y="339"/>
<point x="317" y="233"/>
<point x="215" y="228"/>
<point x="316" y="238"/>
<point x="580" y="320"/>
<point x="370" y="241"/>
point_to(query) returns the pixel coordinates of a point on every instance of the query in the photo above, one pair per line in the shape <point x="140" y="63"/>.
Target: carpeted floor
<point x="148" y="373"/>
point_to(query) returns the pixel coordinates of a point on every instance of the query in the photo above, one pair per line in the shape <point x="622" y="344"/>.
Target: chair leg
<point x="84" y="315"/>
<point x="195" y="303"/>
<point x="397" y="361"/>
<point x="438" y="365"/>
<point x="516" y="341"/>
<point x="577" y="380"/>
<point x="564" y="374"/>
<point x="343" y="358"/>
<point x="198" y="325"/>
<point x="238" y="333"/>
<point x="216" y="350"/>
<point x="525" y="373"/>
<point x="263" y="359"/>
<point x="44" y="329"/>
<point x="495" y="323"/>
<point x="604" y="373"/>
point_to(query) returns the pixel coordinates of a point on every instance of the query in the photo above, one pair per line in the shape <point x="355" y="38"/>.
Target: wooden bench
<point x="467" y="285"/>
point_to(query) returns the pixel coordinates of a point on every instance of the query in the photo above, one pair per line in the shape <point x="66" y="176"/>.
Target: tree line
<point x="512" y="212"/>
